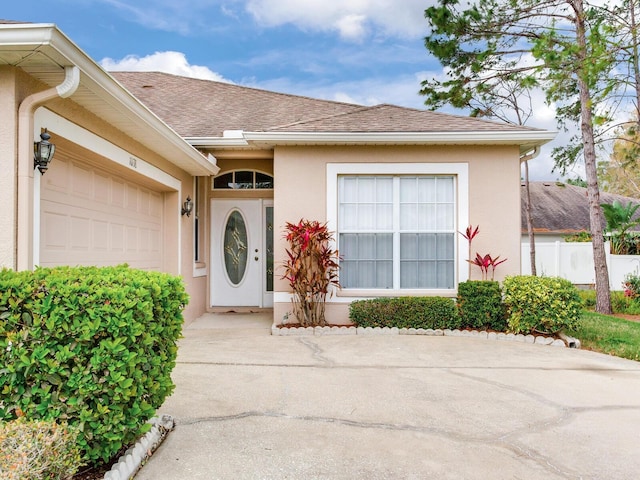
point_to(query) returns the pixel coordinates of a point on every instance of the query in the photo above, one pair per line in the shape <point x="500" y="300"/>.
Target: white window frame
<point x="460" y="171"/>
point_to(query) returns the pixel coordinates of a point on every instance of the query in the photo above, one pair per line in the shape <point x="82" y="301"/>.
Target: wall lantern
<point x="187" y="206"/>
<point x="43" y="152"/>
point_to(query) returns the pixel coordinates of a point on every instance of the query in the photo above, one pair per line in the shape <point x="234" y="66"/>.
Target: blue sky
<point x="359" y="51"/>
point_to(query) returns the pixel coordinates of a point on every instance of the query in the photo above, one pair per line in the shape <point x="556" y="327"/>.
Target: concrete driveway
<point x="249" y="405"/>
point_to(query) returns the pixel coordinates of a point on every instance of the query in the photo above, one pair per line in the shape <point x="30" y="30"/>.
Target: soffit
<point x="43" y="52"/>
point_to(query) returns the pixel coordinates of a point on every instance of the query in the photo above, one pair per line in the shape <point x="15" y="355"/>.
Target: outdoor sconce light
<point x="43" y="152"/>
<point x="187" y="206"/>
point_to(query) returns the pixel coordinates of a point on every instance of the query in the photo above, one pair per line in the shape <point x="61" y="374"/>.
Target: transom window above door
<point x="243" y="180"/>
<point x="397" y="231"/>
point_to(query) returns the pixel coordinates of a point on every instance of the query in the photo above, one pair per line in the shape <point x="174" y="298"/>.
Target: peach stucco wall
<point x="15" y="85"/>
<point x="8" y="153"/>
<point x="494" y="197"/>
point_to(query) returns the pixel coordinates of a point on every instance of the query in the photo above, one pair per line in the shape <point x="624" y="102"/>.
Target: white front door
<point x="240" y="253"/>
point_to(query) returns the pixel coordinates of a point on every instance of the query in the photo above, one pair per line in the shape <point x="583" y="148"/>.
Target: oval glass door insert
<point x="235" y="247"/>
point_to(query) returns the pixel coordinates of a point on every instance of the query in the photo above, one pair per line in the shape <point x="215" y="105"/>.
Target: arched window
<point x="243" y="180"/>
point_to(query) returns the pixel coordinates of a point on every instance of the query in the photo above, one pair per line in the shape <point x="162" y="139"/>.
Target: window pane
<point x="446" y="246"/>
<point x="269" y="245"/>
<point x="264" y="181"/>
<point x="445" y="217"/>
<point x="384" y="189"/>
<point x="243" y="180"/>
<point x="408" y="190"/>
<point x="408" y="216"/>
<point x="223" y="181"/>
<point x="366" y="260"/>
<point x="384" y="216"/>
<point x="235" y="247"/>
<point x="427" y="189"/>
<point x="366" y="216"/>
<point x="445" y="189"/>
<point x="367" y="189"/>
<point x="348" y="189"/>
<point x="426" y="260"/>
<point x="348" y="217"/>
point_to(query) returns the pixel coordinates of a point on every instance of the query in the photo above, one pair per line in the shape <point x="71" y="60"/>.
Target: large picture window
<point x="397" y="231"/>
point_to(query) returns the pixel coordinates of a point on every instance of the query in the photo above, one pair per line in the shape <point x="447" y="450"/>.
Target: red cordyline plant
<point x="486" y="263"/>
<point x="311" y="269"/>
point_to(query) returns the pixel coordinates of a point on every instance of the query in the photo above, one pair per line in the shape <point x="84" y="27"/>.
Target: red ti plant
<point x="486" y="263"/>
<point x="311" y="269"/>
<point x="470" y="233"/>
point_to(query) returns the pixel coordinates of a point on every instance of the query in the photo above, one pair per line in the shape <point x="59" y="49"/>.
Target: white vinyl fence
<point x="574" y="261"/>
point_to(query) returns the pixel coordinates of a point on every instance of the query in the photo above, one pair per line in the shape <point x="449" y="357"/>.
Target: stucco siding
<point x="493" y="197"/>
<point x="8" y="155"/>
<point x="177" y="230"/>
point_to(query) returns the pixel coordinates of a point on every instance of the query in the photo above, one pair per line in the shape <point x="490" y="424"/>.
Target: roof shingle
<point x="558" y="208"/>
<point x="205" y="108"/>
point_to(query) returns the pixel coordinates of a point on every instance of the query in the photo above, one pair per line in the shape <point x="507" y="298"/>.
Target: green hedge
<point x="541" y="304"/>
<point x="405" y="312"/>
<point x="480" y="305"/>
<point x="93" y="347"/>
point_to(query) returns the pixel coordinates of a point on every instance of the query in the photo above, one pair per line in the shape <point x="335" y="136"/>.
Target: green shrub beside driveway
<point x="93" y="347"/>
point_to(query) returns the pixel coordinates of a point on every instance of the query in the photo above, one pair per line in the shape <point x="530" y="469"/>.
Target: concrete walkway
<point x="249" y="405"/>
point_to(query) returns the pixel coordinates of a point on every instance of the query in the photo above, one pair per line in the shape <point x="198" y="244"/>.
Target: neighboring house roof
<point x="207" y="112"/>
<point x="559" y="208"/>
<point x="44" y="52"/>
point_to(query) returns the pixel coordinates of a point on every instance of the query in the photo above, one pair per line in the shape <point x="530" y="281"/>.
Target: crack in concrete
<point x="405" y="367"/>
<point x="565" y="415"/>
<point x="498" y="442"/>
<point x="316" y="352"/>
<point x="509" y="441"/>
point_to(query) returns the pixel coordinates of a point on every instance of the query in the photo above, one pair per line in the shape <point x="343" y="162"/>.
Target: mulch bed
<point x="624" y="316"/>
<point x="92" y="473"/>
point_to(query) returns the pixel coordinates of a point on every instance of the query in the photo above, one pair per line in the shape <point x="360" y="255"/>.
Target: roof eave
<point x="154" y="133"/>
<point x="525" y="139"/>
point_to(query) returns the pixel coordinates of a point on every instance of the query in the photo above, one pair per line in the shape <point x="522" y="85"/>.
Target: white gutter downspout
<point x="532" y="155"/>
<point x="24" y="227"/>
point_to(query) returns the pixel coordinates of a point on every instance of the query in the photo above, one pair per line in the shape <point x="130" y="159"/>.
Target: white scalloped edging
<point x="563" y="341"/>
<point x="130" y="462"/>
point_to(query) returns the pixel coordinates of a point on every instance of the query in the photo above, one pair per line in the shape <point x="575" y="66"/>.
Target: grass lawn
<point x="607" y="334"/>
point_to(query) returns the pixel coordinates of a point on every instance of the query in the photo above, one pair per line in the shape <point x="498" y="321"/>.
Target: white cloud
<point x="352" y="19"/>
<point x="155" y="16"/>
<point x="168" y="62"/>
<point x="352" y="27"/>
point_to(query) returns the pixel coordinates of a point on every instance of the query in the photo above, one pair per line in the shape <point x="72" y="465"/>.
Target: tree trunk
<point x="603" y="295"/>
<point x="527" y="214"/>
<point x="634" y="50"/>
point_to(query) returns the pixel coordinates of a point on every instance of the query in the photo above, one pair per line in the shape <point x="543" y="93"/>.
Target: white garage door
<point x="89" y="216"/>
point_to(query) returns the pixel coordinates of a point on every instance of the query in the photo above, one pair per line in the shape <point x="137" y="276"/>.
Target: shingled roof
<point x="558" y="208"/>
<point x="205" y="108"/>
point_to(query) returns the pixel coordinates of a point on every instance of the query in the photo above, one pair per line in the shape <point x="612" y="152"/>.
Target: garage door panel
<point x="54" y="230"/>
<point x="100" y="231"/>
<point x="98" y="218"/>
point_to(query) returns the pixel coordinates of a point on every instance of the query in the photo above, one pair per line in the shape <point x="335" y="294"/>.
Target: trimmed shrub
<point x="36" y="450"/>
<point x="405" y="312"/>
<point x="90" y="346"/>
<point x="588" y="298"/>
<point x="480" y="305"/>
<point x="623" y="303"/>
<point x="541" y="304"/>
